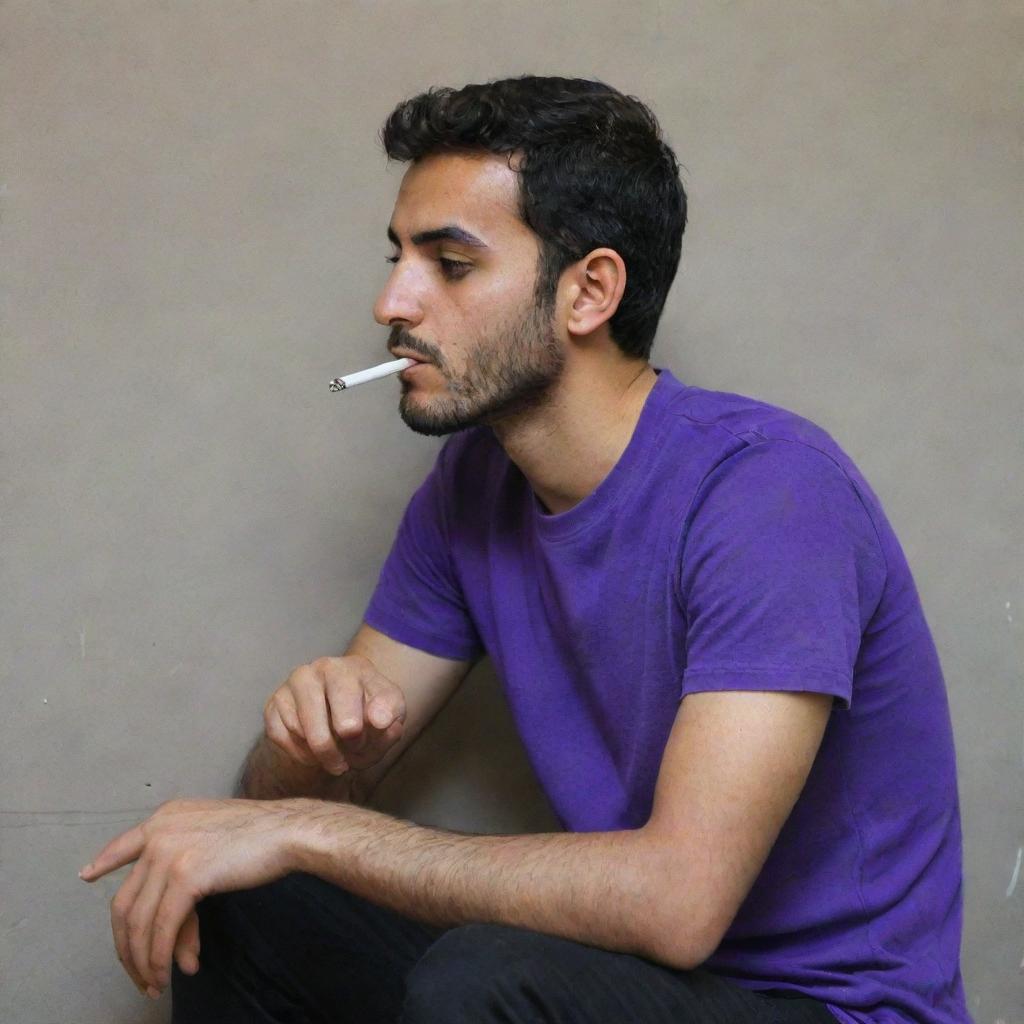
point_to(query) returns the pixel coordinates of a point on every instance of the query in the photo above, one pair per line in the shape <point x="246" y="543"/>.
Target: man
<point x="709" y="638"/>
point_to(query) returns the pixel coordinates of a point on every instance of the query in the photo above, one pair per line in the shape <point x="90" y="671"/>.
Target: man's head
<point x="579" y="208"/>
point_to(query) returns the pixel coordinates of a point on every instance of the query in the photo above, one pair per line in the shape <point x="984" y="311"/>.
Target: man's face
<point x="465" y="300"/>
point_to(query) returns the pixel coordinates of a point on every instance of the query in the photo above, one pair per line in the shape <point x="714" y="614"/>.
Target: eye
<point x="450" y="268"/>
<point x="453" y="268"/>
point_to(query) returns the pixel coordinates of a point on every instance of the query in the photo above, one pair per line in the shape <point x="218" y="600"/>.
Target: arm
<point x="427" y="681"/>
<point x="733" y="767"/>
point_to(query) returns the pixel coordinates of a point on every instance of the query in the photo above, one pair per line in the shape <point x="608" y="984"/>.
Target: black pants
<point x="302" y="950"/>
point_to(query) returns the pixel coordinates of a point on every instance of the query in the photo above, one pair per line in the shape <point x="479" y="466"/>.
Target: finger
<point x="311" y="706"/>
<point x="344" y="690"/>
<point x="380" y="713"/>
<point x="121" y="850"/>
<point x="364" y="704"/>
<point x="279" y="734"/>
<point x="186" y="948"/>
<point x="285" y="707"/>
<point x="119" y="907"/>
<point x="376" y="749"/>
<point x="169" y="919"/>
<point x="140" y="922"/>
<point x="385" y="701"/>
<point x="290" y="717"/>
<point x="375" y="701"/>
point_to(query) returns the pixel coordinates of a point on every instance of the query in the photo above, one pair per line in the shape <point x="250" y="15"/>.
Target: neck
<point x="567" y="446"/>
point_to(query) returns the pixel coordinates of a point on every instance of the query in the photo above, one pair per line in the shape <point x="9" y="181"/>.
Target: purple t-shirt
<point x="733" y="546"/>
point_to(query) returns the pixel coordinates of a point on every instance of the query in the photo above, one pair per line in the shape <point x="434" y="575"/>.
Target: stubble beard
<point x="506" y="376"/>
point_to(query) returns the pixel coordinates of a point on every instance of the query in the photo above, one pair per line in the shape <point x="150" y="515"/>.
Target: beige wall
<point x="193" y="207"/>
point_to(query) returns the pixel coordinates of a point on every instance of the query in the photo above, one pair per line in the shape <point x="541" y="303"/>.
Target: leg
<point x="483" y="973"/>
<point x="298" y="951"/>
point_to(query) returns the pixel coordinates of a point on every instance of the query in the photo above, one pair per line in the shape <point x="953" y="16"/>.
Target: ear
<point x="597" y="283"/>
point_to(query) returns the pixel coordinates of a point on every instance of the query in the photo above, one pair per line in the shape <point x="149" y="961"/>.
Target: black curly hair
<point x="593" y="171"/>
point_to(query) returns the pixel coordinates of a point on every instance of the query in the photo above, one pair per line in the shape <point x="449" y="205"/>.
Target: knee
<point x="232" y="924"/>
<point x="230" y="915"/>
<point x="233" y="949"/>
<point x="477" y="973"/>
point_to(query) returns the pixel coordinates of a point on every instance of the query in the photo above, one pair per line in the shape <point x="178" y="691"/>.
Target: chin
<point x="438" y="419"/>
<point x="431" y="428"/>
<point x="422" y="420"/>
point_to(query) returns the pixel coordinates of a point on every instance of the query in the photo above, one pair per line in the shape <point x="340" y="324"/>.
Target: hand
<point x="338" y="713"/>
<point x="186" y="850"/>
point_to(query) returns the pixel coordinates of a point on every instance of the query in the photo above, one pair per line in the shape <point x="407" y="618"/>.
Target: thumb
<point x="383" y="701"/>
<point x="186" y="948"/>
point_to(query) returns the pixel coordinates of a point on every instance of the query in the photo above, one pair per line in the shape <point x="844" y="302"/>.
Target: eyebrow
<point x="450" y="232"/>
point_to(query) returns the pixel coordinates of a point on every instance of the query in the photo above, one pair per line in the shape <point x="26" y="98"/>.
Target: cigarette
<point x="362" y="376"/>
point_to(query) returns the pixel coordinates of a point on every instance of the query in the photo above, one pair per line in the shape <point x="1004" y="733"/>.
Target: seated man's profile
<point x="707" y="632"/>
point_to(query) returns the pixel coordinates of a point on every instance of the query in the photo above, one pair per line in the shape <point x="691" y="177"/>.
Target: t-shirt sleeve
<point x="781" y="567"/>
<point x="418" y="599"/>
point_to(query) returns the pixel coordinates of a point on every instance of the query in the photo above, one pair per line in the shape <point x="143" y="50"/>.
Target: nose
<point x="397" y="302"/>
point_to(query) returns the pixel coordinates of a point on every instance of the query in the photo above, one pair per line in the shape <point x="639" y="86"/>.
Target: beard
<point x="508" y="374"/>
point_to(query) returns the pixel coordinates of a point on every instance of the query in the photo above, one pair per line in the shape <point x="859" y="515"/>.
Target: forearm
<point x="598" y="888"/>
<point x="269" y="774"/>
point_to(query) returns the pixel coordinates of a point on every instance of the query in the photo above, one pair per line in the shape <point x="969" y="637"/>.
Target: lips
<point x="398" y="354"/>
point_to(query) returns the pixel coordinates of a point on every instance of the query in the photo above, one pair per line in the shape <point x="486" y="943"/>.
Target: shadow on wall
<point x="468" y="770"/>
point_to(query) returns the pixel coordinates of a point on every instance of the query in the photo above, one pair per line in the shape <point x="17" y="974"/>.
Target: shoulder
<point x="767" y="471"/>
<point x="748" y="419"/>
<point x="747" y="438"/>
<point x="781" y="487"/>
